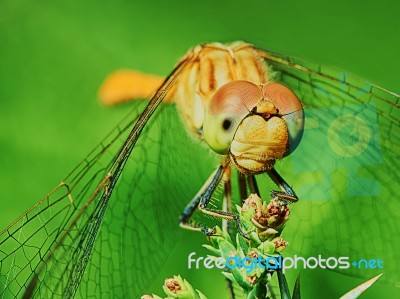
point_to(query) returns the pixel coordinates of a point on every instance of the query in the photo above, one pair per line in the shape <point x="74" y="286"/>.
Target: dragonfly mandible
<point x="79" y="239"/>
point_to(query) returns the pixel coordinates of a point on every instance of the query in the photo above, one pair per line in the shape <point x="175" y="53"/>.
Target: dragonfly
<point x="93" y="233"/>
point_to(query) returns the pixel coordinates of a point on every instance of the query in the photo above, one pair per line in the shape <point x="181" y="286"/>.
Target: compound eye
<point x="229" y="105"/>
<point x="282" y="97"/>
<point x="290" y="109"/>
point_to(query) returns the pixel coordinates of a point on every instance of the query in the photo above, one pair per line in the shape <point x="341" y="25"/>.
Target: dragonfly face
<point x="255" y="124"/>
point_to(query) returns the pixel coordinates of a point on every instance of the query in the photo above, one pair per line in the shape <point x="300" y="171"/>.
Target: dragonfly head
<point x="255" y="125"/>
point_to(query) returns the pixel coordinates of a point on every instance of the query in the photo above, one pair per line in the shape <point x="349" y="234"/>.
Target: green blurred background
<point x="55" y="54"/>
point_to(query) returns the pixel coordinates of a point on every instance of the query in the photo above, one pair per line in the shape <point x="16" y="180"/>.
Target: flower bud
<point x="150" y="297"/>
<point x="255" y="209"/>
<point x="178" y="288"/>
<point x="280" y="244"/>
<point x="278" y="213"/>
<point x="252" y="279"/>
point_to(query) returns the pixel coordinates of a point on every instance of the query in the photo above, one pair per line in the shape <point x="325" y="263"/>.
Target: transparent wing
<point x="346" y="170"/>
<point x="103" y="232"/>
<point x="344" y="173"/>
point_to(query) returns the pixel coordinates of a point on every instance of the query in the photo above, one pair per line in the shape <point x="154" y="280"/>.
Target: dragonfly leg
<point x="201" y="201"/>
<point x="206" y="191"/>
<point x="287" y="192"/>
<point x="223" y="214"/>
<point x="251" y="180"/>
<point x="242" y="186"/>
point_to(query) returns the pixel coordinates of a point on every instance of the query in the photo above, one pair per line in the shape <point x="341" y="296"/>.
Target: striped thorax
<point x="213" y="65"/>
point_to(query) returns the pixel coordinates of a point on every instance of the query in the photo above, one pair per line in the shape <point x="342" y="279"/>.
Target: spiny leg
<point x="202" y="199"/>
<point x="243" y="182"/>
<point x="205" y="200"/>
<point x="287" y="192"/>
<point x="242" y="186"/>
<point x="251" y="180"/>
<point x="205" y="191"/>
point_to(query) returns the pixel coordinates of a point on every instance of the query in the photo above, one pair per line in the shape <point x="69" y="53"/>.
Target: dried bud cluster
<point x="252" y="279"/>
<point x="280" y="244"/>
<point x="268" y="219"/>
<point x="277" y="212"/>
<point x="172" y="285"/>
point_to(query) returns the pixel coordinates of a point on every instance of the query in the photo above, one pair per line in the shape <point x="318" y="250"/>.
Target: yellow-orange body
<point x="214" y="65"/>
<point x="225" y="83"/>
